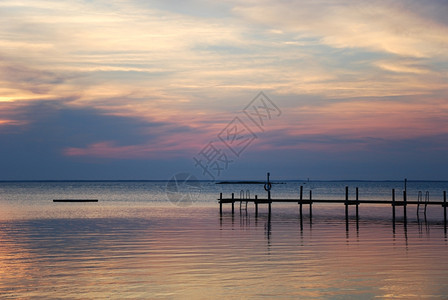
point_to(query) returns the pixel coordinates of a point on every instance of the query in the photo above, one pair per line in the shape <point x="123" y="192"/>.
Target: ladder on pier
<point x="244" y="197"/>
<point x="422" y="204"/>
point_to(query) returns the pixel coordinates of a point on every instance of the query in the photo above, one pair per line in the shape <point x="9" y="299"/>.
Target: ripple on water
<point x="112" y="250"/>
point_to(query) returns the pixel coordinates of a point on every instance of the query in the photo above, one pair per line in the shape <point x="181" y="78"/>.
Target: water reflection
<point x="193" y="253"/>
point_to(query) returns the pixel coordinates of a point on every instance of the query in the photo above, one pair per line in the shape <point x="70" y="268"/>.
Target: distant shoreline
<point x="246" y="182"/>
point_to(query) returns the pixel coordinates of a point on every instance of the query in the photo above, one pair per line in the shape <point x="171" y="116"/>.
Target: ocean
<point x="153" y="240"/>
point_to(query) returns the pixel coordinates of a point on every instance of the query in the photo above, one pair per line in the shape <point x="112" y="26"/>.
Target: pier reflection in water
<point x="194" y="253"/>
<point x="126" y="246"/>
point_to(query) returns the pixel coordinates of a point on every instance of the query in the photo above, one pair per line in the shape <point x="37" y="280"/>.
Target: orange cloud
<point x="374" y="118"/>
<point x="110" y="150"/>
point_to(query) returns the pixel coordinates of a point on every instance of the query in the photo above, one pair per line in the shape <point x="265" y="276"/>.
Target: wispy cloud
<point x="346" y="72"/>
<point x="396" y="27"/>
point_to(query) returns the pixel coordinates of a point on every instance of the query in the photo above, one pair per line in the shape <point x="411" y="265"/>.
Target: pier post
<point x="357" y="204"/>
<point x="346" y="208"/>
<point x="220" y="204"/>
<point x="256" y="206"/>
<point x="311" y="205"/>
<point x="393" y="208"/>
<point x="444" y="209"/>
<point x="300" y="202"/>
<point x="233" y="203"/>
<point x="404" y="206"/>
<point x="268" y="186"/>
<point x="357" y="211"/>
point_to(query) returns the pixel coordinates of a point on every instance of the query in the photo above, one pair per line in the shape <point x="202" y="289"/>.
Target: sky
<point x="130" y="90"/>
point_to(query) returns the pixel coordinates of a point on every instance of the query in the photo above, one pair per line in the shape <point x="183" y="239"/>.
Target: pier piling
<point x="220" y="204"/>
<point x="357" y="203"/>
<point x="404" y="206"/>
<point x="444" y="209"/>
<point x="256" y="206"/>
<point x="357" y="209"/>
<point x="346" y="207"/>
<point x="300" y="202"/>
<point x="393" y="208"/>
<point x="311" y="205"/>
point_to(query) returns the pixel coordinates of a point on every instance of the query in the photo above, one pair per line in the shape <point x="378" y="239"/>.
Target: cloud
<point x="403" y="67"/>
<point x="201" y="51"/>
<point x="390" y="117"/>
<point x="50" y="140"/>
<point x="378" y="25"/>
<point x="141" y="80"/>
<point x="112" y="150"/>
<point x="55" y="127"/>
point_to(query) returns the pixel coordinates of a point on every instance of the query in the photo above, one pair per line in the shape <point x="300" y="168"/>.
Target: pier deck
<point x="350" y="202"/>
<point x="420" y="203"/>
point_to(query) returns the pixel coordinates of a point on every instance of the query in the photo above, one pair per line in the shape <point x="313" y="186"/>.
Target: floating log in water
<point x="75" y="200"/>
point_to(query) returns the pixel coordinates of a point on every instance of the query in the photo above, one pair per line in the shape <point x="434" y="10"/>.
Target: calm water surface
<point x="134" y="243"/>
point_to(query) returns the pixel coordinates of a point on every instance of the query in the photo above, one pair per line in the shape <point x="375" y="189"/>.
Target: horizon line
<point x="222" y="181"/>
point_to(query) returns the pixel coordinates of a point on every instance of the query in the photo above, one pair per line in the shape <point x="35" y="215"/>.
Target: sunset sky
<point x="140" y="89"/>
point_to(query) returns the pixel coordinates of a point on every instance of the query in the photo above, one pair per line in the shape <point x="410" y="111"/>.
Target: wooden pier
<point x="394" y="203"/>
